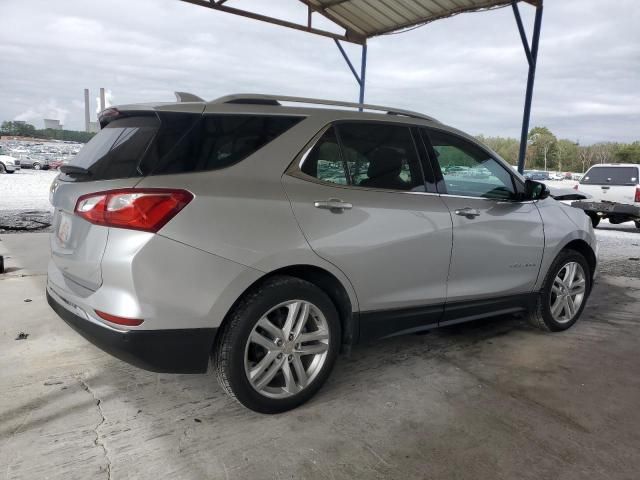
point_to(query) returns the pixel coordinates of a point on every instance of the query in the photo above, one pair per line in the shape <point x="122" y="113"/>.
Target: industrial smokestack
<point x="87" y="116"/>
<point x="101" y="99"/>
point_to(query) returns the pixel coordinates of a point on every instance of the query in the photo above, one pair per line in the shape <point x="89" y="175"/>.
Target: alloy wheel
<point x="286" y="349"/>
<point x="567" y="292"/>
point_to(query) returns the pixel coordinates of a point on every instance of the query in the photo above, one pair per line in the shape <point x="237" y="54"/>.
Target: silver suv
<point x="269" y="237"/>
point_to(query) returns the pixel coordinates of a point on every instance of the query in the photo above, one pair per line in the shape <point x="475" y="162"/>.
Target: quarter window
<point x="324" y="161"/>
<point x="468" y="170"/>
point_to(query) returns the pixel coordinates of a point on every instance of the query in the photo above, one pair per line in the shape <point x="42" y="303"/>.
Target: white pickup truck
<point x="615" y="192"/>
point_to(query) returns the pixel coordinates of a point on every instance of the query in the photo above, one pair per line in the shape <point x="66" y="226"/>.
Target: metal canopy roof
<point x="368" y="18"/>
<point x="362" y="19"/>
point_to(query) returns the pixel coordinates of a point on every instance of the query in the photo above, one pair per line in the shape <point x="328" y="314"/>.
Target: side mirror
<point x="535" y="190"/>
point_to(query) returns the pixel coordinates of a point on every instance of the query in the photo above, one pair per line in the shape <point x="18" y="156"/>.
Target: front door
<point x="497" y="241"/>
<point x="362" y="205"/>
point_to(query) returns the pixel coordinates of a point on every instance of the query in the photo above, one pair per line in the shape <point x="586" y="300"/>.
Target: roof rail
<point x="259" y="99"/>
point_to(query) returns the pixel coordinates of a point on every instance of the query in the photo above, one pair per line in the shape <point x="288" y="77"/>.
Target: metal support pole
<point x="363" y="73"/>
<point x="533" y="59"/>
<point x="363" y="69"/>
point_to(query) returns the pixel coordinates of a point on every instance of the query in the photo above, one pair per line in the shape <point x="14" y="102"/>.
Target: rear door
<point x="110" y="160"/>
<point x="497" y="241"/>
<point x="611" y="183"/>
<point x="359" y="196"/>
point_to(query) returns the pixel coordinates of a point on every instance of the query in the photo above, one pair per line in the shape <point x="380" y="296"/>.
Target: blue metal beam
<point x="363" y="73"/>
<point x="537" y="25"/>
<point x="523" y="34"/>
<point x="363" y="68"/>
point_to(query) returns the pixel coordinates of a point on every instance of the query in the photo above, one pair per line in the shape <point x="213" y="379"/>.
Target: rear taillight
<point x="147" y="209"/>
<point x="129" y="322"/>
<point x="637" y="197"/>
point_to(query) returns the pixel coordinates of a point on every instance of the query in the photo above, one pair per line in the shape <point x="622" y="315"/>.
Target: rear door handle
<point x="333" y="204"/>
<point x="468" y="212"/>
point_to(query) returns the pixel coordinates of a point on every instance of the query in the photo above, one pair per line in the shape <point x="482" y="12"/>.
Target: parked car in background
<point x="37" y="163"/>
<point x="9" y="164"/>
<point x="615" y="189"/>
<point x="268" y="237"/>
<point x="556" y="176"/>
<point x="537" y="175"/>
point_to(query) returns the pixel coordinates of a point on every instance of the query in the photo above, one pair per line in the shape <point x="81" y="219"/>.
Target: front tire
<point x="36" y="166"/>
<point x="278" y="346"/>
<point x="2" y="168"/>
<point x="637" y="222"/>
<point x="564" y="293"/>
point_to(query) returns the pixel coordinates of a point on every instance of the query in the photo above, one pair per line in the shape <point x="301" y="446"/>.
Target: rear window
<point x="611" y="176"/>
<point x="174" y="143"/>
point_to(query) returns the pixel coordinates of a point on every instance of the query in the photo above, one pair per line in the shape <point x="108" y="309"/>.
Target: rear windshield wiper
<point x="74" y="170"/>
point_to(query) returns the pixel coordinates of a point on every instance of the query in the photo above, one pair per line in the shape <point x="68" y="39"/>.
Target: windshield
<point x="611" y="176"/>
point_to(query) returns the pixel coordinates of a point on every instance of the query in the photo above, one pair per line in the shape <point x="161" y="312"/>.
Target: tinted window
<point x="324" y="161"/>
<point x="115" y="152"/>
<point x="217" y="142"/>
<point x="611" y="176"/>
<point x="468" y="170"/>
<point x="380" y="156"/>
<point x="175" y="143"/>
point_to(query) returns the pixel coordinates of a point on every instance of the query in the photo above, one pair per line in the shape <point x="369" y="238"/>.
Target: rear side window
<point x="170" y="142"/>
<point x="218" y="141"/>
<point x="371" y="155"/>
<point x="611" y="176"/>
<point x="380" y="156"/>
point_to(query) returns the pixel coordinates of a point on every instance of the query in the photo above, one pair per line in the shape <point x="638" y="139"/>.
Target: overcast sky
<point x="468" y="71"/>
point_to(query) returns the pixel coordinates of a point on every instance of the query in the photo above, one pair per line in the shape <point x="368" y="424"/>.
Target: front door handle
<point x="333" y="204"/>
<point x="468" y="212"/>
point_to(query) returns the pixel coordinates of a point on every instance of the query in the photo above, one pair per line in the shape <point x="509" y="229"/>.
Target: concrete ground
<point x="489" y="400"/>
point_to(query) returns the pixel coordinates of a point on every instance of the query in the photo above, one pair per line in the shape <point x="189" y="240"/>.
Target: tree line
<point x="547" y="152"/>
<point x="23" y="129"/>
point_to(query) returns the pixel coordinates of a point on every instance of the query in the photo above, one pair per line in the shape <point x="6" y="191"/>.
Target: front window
<point x="468" y="170"/>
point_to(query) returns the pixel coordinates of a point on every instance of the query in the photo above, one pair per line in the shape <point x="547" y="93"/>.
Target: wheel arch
<point x="325" y="281"/>
<point x="586" y="251"/>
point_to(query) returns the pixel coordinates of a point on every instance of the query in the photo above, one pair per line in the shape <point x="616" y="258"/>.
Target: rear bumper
<point x="164" y="351"/>
<point x="606" y="208"/>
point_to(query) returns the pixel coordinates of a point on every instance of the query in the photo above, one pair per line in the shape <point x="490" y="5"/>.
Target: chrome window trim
<point x="486" y="199"/>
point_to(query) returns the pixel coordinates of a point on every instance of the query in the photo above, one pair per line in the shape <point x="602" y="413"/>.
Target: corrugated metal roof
<point x="368" y="18"/>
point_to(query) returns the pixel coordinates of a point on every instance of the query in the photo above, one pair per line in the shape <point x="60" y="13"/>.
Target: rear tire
<point x="36" y="166"/>
<point x="543" y="316"/>
<point x="637" y="222"/>
<point x="278" y="345"/>
<point x="595" y="219"/>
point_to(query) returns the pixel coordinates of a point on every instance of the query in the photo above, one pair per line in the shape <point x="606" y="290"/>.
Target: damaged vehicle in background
<point x="615" y="189"/>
